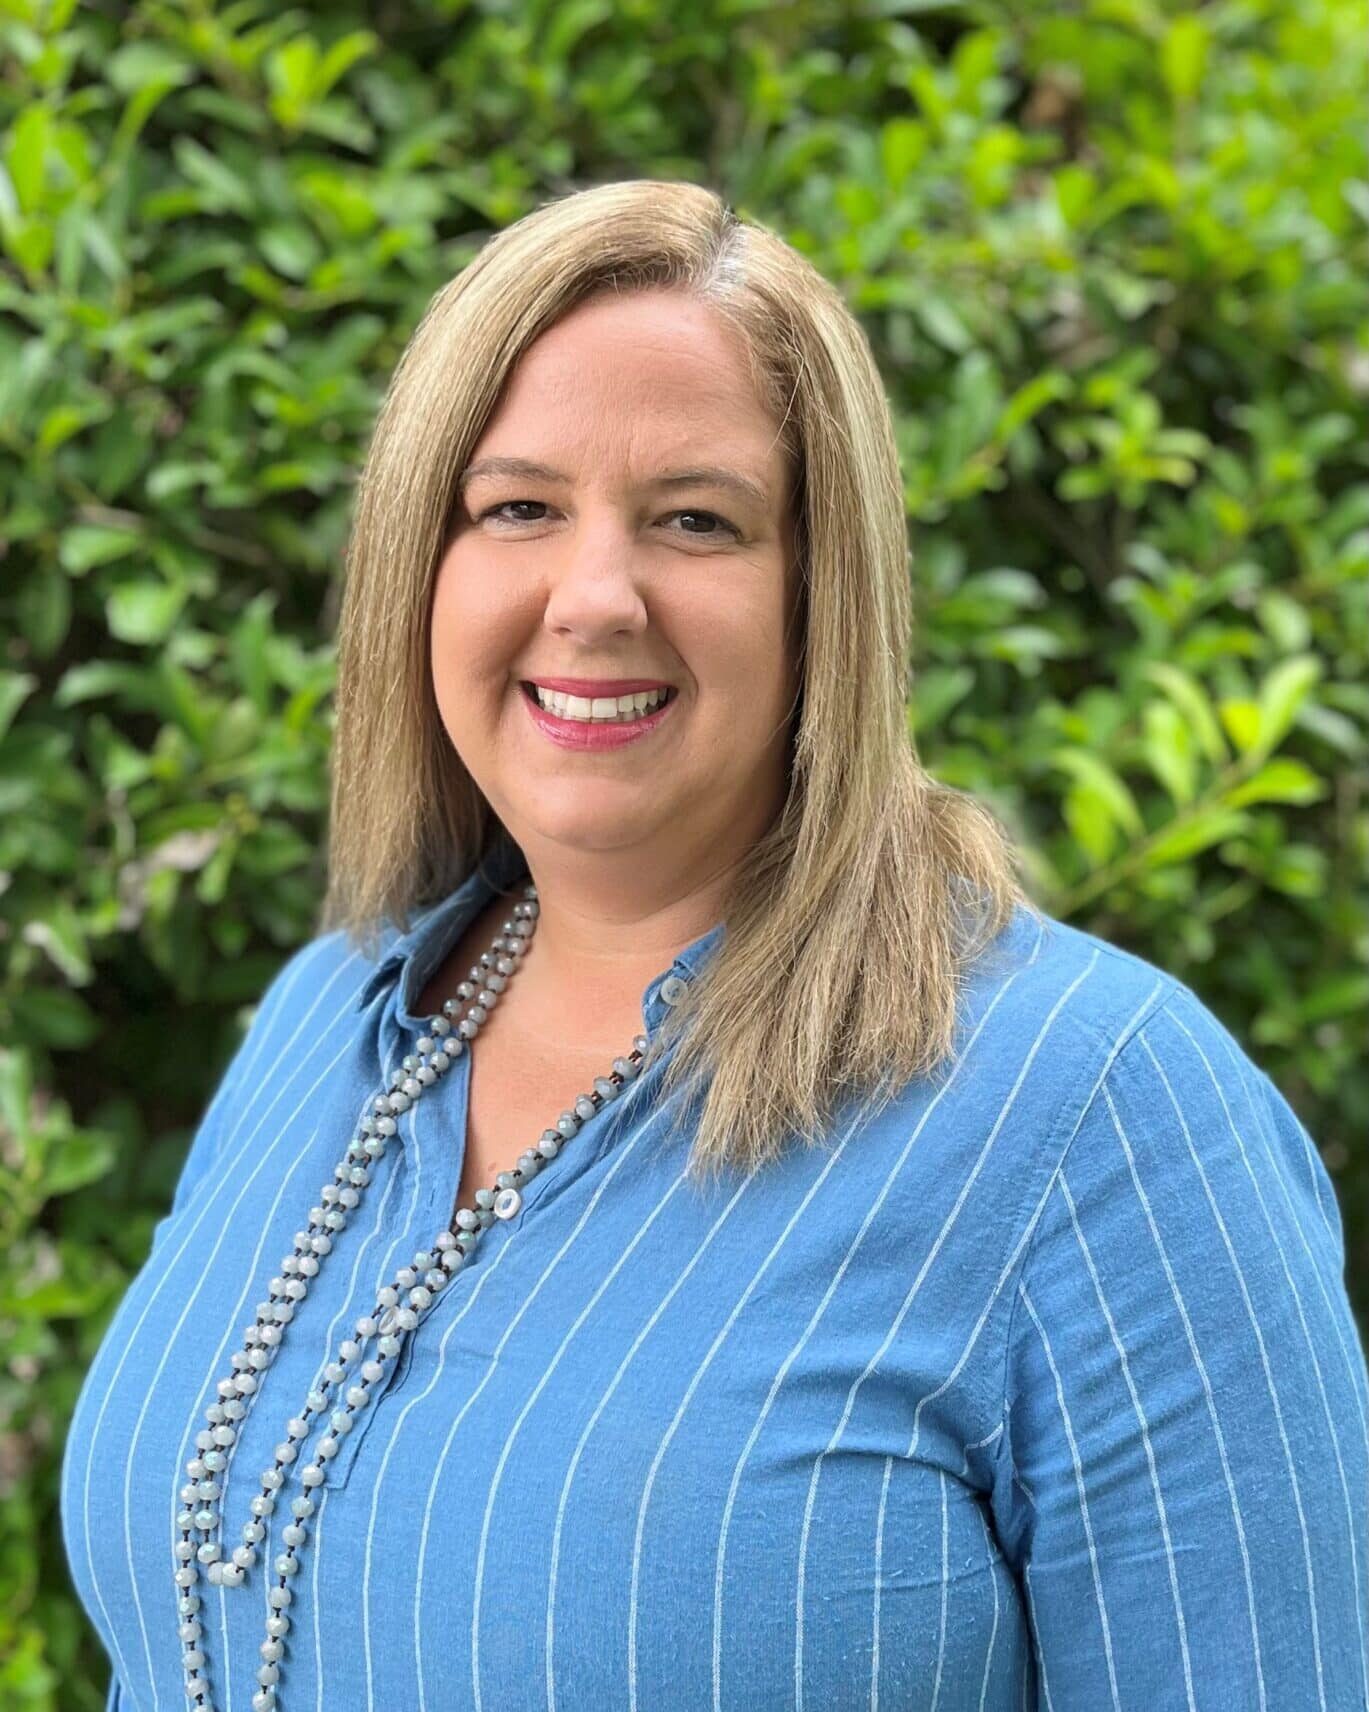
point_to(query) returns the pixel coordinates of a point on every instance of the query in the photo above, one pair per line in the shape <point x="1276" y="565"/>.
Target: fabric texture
<point x="1039" y="1390"/>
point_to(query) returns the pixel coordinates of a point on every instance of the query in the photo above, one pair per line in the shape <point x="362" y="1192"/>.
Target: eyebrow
<point x="697" y="475"/>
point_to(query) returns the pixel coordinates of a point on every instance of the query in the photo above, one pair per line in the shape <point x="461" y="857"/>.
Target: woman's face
<point x="602" y="566"/>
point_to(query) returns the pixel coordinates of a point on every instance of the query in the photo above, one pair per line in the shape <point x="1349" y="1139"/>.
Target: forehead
<point x="645" y="366"/>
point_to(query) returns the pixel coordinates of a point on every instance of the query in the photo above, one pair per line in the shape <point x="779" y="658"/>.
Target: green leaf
<point x="16" y="1093"/>
<point x="350" y="49"/>
<point x="104" y="677"/>
<point x="1281" y="695"/>
<point x="26" y="156"/>
<point x="1188" y="839"/>
<point x="1095" y="774"/>
<point x="1280" y="780"/>
<point x="936" y="691"/>
<point x="1030" y="399"/>
<point x="85" y="545"/>
<point x="1241" y="721"/>
<point x="55" y="1017"/>
<point x="224" y="189"/>
<point x="1338" y="996"/>
<point x="144" y="611"/>
<point x="75" y="1159"/>
<point x="137" y="65"/>
<point x="14" y="691"/>
<point x="1192" y="700"/>
<point x="1091" y="822"/>
<point x="1167" y="744"/>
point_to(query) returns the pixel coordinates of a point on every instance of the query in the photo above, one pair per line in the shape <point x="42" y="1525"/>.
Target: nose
<point x="596" y="585"/>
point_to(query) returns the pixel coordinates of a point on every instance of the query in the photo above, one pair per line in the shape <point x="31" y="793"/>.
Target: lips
<point x="593" y="735"/>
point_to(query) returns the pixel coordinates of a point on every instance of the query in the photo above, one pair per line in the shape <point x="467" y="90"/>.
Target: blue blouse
<point x="1040" y="1390"/>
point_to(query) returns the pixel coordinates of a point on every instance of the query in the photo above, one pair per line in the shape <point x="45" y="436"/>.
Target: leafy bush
<point x="1112" y="258"/>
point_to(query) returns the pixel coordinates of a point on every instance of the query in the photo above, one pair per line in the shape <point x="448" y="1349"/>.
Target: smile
<point x="605" y="723"/>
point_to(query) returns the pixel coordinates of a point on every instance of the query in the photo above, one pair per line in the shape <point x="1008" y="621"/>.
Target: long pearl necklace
<point x="389" y="1323"/>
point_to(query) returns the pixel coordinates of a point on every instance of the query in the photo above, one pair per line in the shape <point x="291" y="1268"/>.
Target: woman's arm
<point x="1183" y="1478"/>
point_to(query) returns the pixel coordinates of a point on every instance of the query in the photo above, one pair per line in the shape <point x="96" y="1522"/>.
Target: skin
<point x="604" y="575"/>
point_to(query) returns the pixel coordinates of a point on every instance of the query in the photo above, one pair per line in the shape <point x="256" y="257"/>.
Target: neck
<point x="598" y="945"/>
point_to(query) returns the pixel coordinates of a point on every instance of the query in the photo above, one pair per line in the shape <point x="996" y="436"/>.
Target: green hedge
<point x="1113" y="261"/>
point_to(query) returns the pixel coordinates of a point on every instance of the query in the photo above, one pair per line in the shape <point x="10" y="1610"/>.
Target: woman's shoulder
<point x="324" y="977"/>
<point x="1065" y="991"/>
<point x="315" y="993"/>
<point x="1131" y="1051"/>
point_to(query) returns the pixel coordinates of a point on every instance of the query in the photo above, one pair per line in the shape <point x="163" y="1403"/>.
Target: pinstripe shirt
<point x="1040" y="1389"/>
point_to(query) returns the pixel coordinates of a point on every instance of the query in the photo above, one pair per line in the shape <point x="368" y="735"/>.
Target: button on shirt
<point x="1039" y="1390"/>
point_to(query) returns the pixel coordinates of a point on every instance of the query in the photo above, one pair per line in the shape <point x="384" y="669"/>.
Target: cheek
<point x="735" y="649"/>
<point x="473" y="641"/>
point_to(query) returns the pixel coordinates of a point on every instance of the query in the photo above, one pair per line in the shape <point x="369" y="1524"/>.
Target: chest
<point x="530" y="1061"/>
<point x="514" y="1096"/>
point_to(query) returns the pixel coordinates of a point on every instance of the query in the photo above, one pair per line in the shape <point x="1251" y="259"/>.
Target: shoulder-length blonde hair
<point x="850" y="926"/>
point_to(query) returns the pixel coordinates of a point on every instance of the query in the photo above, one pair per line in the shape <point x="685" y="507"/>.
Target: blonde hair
<point x="851" y="925"/>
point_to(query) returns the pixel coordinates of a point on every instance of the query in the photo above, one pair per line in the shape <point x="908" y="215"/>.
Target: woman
<point x="917" y="1301"/>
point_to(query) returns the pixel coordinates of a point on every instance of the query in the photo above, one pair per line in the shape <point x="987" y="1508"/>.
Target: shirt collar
<point x="417" y="953"/>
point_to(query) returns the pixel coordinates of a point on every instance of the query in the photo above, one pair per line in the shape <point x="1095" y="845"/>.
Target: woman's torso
<point x="659" y="1444"/>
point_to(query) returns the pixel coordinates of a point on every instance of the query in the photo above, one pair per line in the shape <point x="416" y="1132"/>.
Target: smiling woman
<point x="829" y="1281"/>
<point x="602" y="586"/>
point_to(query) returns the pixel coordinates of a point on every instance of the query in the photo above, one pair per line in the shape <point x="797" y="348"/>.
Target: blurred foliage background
<point x="1112" y="258"/>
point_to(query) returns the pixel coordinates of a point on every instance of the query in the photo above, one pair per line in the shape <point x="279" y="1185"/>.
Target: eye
<point x="721" y="524"/>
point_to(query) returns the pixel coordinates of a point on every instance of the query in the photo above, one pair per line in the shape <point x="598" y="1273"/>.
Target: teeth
<point x="612" y="710"/>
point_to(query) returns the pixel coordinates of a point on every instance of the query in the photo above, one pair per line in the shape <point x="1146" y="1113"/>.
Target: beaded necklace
<point x="400" y="1307"/>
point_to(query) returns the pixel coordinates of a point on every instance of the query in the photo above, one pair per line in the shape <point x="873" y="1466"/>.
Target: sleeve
<point x="1182" y="1480"/>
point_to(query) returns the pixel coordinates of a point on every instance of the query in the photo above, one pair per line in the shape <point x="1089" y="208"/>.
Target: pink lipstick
<point x="586" y="734"/>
